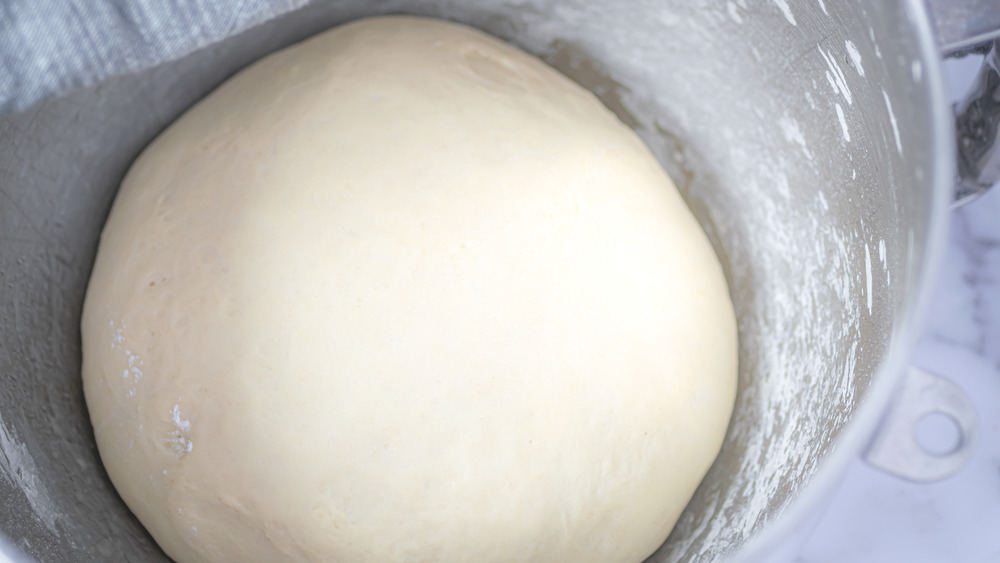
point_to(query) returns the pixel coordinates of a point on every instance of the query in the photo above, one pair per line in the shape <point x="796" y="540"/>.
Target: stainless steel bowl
<point x="812" y="140"/>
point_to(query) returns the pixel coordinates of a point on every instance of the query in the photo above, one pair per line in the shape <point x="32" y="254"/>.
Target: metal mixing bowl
<point x="811" y="139"/>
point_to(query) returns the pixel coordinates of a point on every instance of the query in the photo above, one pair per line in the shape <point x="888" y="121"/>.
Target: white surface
<point x="879" y="518"/>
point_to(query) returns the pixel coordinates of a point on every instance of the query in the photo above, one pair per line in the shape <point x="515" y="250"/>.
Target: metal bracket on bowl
<point x="895" y="449"/>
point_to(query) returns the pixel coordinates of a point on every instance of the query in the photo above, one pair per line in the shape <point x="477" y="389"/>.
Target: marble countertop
<point x="878" y="518"/>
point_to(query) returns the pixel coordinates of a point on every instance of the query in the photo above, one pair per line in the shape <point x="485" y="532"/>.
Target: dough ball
<point x="402" y="292"/>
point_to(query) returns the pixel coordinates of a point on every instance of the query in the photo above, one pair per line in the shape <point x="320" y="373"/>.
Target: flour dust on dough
<point x="402" y="292"/>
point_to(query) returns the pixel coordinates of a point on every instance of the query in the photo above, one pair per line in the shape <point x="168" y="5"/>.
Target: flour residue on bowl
<point x="19" y="470"/>
<point x="835" y="76"/>
<point x="868" y="278"/>
<point x="892" y="121"/>
<point x="843" y="122"/>
<point x="785" y="10"/>
<point x="855" y="55"/>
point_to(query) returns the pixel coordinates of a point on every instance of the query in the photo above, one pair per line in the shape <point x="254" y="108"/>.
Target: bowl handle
<point x="895" y="448"/>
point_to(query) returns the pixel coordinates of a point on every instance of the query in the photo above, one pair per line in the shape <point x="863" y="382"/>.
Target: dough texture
<point x="402" y="292"/>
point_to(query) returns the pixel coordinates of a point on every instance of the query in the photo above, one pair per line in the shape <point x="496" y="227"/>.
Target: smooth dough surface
<point x="402" y="292"/>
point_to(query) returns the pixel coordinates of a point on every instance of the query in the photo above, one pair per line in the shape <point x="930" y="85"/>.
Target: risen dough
<point x="404" y="293"/>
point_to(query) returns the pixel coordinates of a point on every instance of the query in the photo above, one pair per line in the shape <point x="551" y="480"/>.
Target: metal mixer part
<point x="977" y="128"/>
<point x="964" y="24"/>
<point x="964" y="27"/>
<point x="817" y="153"/>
